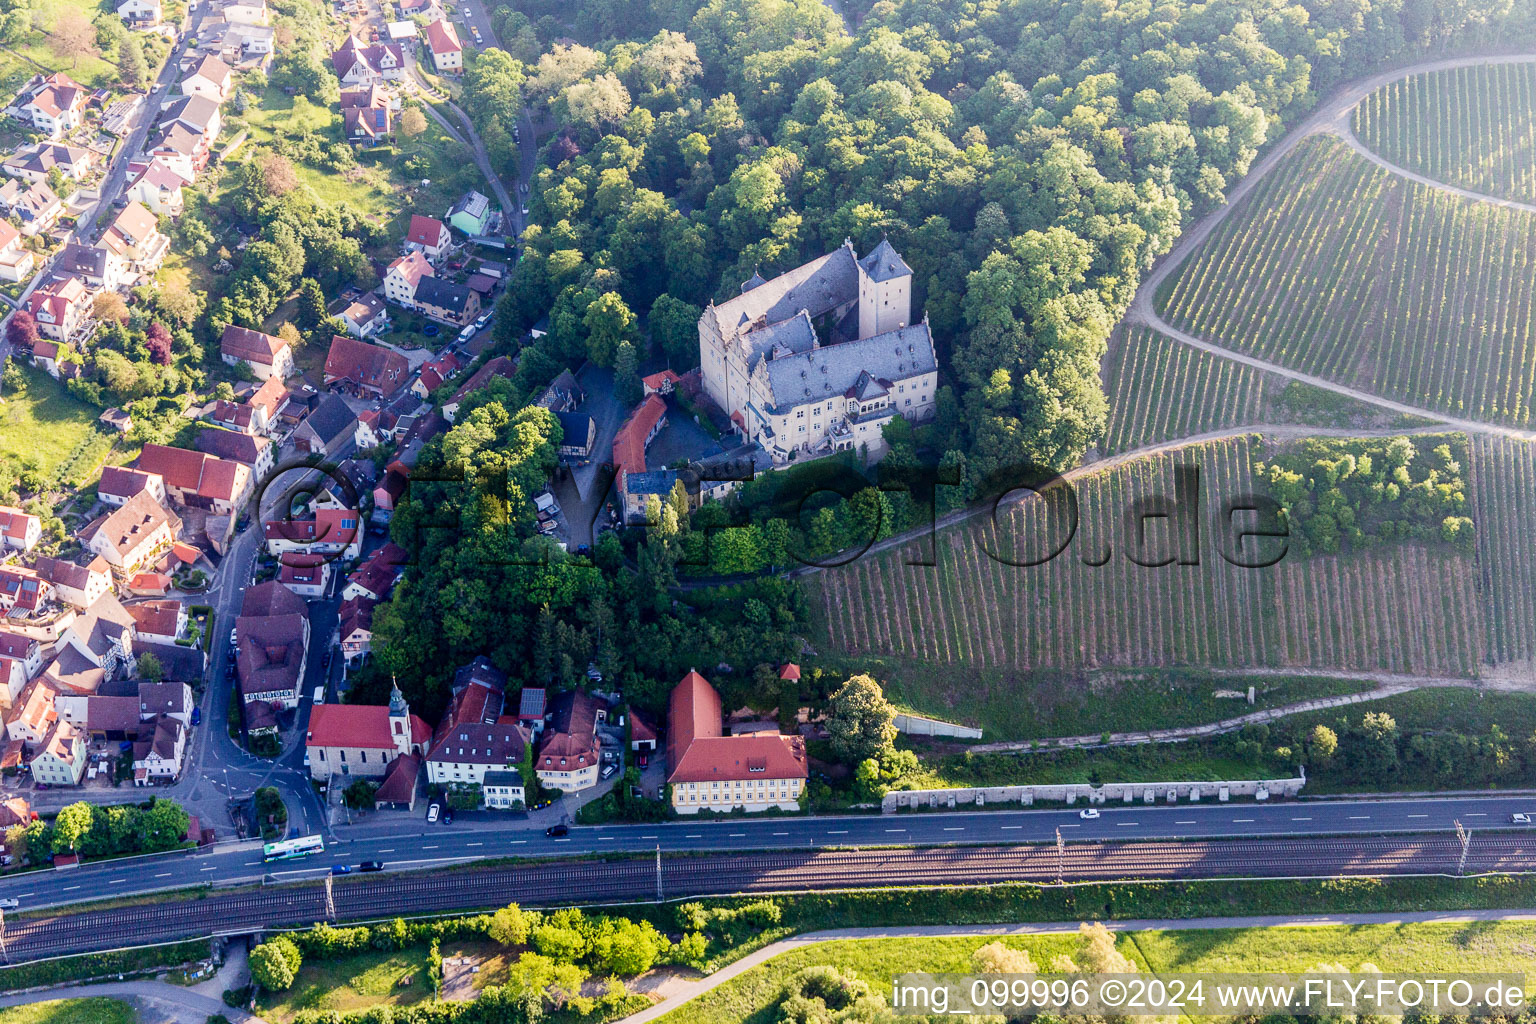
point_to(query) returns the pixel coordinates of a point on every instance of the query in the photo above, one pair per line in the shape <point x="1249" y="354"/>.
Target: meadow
<point x="49" y="431"/>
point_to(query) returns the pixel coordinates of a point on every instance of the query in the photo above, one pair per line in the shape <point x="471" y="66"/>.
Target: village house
<point x="578" y="432"/>
<point x="332" y="531"/>
<point x="272" y="637"/>
<point x="22" y="590"/>
<point x="37" y="161"/>
<point x="212" y="79"/>
<point x="305" y="575"/>
<point x="373" y="580"/>
<point x="198" y="480"/>
<point x="23" y="650"/>
<point x="78" y="586"/>
<point x="119" y="483"/>
<point x="132" y="536"/>
<point x="173" y="700"/>
<point x="471" y="215"/>
<point x="358" y="63"/>
<point x="185" y="150"/>
<point x="354" y="628"/>
<point x="257" y="414"/>
<point x="96" y="265"/>
<point x="158" y="185"/>
<point x="92" y="648"/>
<point x="267" y="356"/>
<point x="32" y="203"/>
<point x="443" y="300"/>
<point x="365" y="316"/>
<point x="475" y="735"/>
<point x="708" y="770"/>
<point x="403" y="276"/>
<point x="158" y="753"/>
<point x="569" y="753"/>
<point x="427" y="235"/>
<point x="135" y="237"/>
<point x="16" y="263"/>
<point x="434" y="373"/>
<point x="19" y="531"/>
<point x="247" y="12"/>
<point x="198" y="114"/>
<point x="447" y="51"/>
<point x="258" y="453"/>
<point x="159" y="622"/>
<point x="629" y="445"/>
<point x="326" y="428"/>
<point x="367" y="126"/>
<point x="365" y="369"/>
<point x="501" y="366"/>
<point x="141" y="14"/>
<point x="363" y="739"/>
<point x="387" y="494"/>
<point x="61" y="308"/>
<point x="60" y="759"/>
<point x="54" y="105"/>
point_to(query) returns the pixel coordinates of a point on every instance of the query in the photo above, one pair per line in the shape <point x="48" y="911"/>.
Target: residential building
<point x="31" y="714"/>
<point x="197" y="479"/>
<point x="136" y="238"/>
<point x="184" y="149"/>
<point x="158" y="753"/>
<point x="708" y="770"/>
<point x="60" y="759"/>
<point x="140" y="13"/>
<point x="569" y="753"/>
<point x="563" y="394"/>
<point x="78" y="586"/>
<point x="403" y="276"/>
<point x="365" y="368"/>
<point x="447" y="51"/>
<point x="501" y="366"/>
<point x="365" y="316"/>
<point x="32" y="203"/>
<point x="22" y="590"/>
<point x="367" y="126"/>
<point x="92" y="648"/>
<point x="663" y="382"/>
<point x="37" y="161"/>
<point x="531" y="704"/>
<point x="198" y="114"/>
<point x="212" y="79"/>
<point x="99" y="267"/>
<point x="272" y="637"/>
<point x="55" y="105"/>
<point x="133" y="536"/>
<point x="427" y="235"/>
<point x="158" y="185"/>
<point x="387" y="494"/>
<point x="443" y="300"/>
<point x="266" y="355"/>
<point x="247" y="12"/>
<point x="363" y="739"/>
<point x="327" y="427"/>
<point x="22" y="649"/>
<point x="305" y="575"/>
<point x="119" y="483"/>
<point x="257" y="453"/>
<point x="373" y="579"/>
<point x="16" y="263"/>
<point x="358" y="63"/>
<point x="502" y="790"/>
<point x="471" y="214"/>
<point x="159" y="622"/>
<point x="61" y="308"/>
<point x="257" y="415"/>
<point x="354" y="628"/>
<point x="475" y="736"/>
<point x="434" y="373"/>
<point x="332" y="531"/>
<point x="784" y="388"/>
<point x="19" y="531"/>
<point x="629" y="444"/>
<point x="579" y="434"/>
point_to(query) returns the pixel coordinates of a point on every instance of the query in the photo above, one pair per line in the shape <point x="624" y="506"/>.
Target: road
<point x="619" y="879"/>
<point x="466" y="840"/>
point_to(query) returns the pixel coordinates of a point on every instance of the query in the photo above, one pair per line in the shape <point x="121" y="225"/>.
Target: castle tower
<point x="399" y="719"/>
<point x="885" y="291"/>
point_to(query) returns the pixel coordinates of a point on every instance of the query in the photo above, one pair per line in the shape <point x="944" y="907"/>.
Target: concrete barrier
<point x="1109" y="793"/>
<point x="921" y="725"/>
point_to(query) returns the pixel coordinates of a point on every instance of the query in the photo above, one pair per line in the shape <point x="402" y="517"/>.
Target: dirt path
<point x="768" y="952"/>
<point x="1332" y="115"/>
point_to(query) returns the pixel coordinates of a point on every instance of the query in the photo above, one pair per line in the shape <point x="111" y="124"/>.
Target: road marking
<point x="474" y="844"/>
<point x="956" y="828"/>
<point x="606" y="839"/>
<point x="389" y="850"/>
<point x="1479" y="814"/>
<point x="166" y="874"/>
<point x="562" y="840"/>
<point x="115" y="881"/>
<point x="653" y="837"/>
<point x="1186" y="823"/>
<point x="1242" y="821"/>
<point x="1359" y="817"/>
<point x="1069" y="826"/>
<point x="843" y="832"/>
<point x="776" y="833"/>
<point x="429" y="847"/>
<point x="694" y="836"/>
<point x="518" y="842"/>
<point x="895" y="830"/>
<point x="70" y="888"/>
<point x="1005" y="828"/>
<point x="1301" y="819"/>
<point x="1418" y="815"/>
<point x="209" y="868"/>
<point x="1122" y="824"/>
<point x="252" y="863"/>
<point x="735" y="835"/>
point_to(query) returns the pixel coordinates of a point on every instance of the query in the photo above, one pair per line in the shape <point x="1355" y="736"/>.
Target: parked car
<point x="447" y="815"/>
<point x="1088" y="814"/>
<point x="341" y="869"/>
<point x="468" y="332"/>
<point x="642" y="759"/>
<point x="484" y="318"/>
<point x="371" y="865"/>
<point x="197" y="716"/>
<point x="525" y="211"/>
<point x="433" y="812"/>
<point x="557" y="831"/>
<point x="232" y="639"/>
<point x="607" y="773"/>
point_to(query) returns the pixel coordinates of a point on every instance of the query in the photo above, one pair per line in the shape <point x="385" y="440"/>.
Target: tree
<point x="608" y="321"/>
<point x="311" y="308"/>
<point x="22" y="332"/>
<point x="412" y="122"/>
<point x="674" y="326"/>
<point x="164" y="825"/>
<point x="157" y="338"/>
<point x="150" y="669"/>
<point x="224" y="391"/>
<point x="71" y="825"/>
<point x="291" y="334"/>
<point x="109" y="306"/>
<point x="12" y="380"/>
<point x="132" y="68"/>
<point x="275" y="963"/>
<point x="278" y="175"/>
<point x="359" y="795"/>
<point x="73" y="37"/>
<point x="1322" y="743"/>
<point x="859" y="721"/>
<point x="509" y="926"/>
<point x="626" y="376"/>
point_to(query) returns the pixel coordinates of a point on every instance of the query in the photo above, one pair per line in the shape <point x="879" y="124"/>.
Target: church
<point x="818" y="359"/>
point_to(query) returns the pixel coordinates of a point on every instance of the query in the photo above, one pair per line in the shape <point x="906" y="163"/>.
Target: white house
<point x="141" y="13"/>
<point x="402" y="277"/>
<point x="211" y="79"/>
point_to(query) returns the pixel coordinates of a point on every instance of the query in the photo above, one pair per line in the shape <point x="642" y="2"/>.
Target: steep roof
<point x="835" y="370"/>
<point x="358" y="725"/>
<point x="884" y="264"/>
<point x="698" y="752"/>
<point x="819" y="286"/>
<point x="252" y="346"/>
<point x="434" y="291"/>
<point x="367" y="365"/>
<point x="442" y="38"/>
<point x="123" y="482"/>
<point x="233" y="445"/>
<point x="327" y="421"/>
<point x="629" y="443"/>
<point x="424" y="230"/>
<point x="214" y="70"/>
<point x="132" y="524"/>
<point x="157" y="617"/>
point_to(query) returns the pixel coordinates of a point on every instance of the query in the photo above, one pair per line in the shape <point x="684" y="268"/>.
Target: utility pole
<point x="659" y="896"/>
<point x="3" y="951"/>
<point x="330" y="900"/>
<point x="1061" y="858"/>
<point x="1465" y="838"/>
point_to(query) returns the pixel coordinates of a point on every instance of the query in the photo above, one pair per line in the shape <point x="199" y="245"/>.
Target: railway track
<point x="595" y="881"/>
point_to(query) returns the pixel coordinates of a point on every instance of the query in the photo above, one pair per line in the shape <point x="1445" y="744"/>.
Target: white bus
<point x="292" y="849"/>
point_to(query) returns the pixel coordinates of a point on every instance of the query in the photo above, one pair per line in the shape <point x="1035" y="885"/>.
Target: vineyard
<point x="1337" y="268"/>
<point x="1400" y="608"/>
<point x="1504" y="506"/>
<point x="1472" y="127"/>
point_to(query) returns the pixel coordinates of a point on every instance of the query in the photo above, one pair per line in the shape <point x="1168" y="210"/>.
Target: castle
<point x="765" y="364"/>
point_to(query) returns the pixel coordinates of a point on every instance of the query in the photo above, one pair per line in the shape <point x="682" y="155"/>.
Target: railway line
<point x="636" y="878"/>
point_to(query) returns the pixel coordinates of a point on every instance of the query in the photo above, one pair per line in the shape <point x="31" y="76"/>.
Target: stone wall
<point x="920" y="725"/>
<point x="1112" y="793"/>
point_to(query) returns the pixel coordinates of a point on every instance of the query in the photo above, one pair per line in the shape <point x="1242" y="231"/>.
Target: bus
<point x="292" y="849"/>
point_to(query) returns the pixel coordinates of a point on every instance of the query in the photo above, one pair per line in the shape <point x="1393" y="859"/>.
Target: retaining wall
<point x="1109" y="793"/>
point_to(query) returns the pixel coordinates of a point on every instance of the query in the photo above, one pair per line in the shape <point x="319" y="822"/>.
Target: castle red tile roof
<point x="362" y="726"/>
<point x="697" y="750"/>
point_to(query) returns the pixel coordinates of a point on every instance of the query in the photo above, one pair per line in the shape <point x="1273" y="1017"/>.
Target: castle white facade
<point x="765" y="364"/>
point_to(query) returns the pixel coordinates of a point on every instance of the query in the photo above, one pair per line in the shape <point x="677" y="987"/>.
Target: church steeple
<point x="399" y="718"/>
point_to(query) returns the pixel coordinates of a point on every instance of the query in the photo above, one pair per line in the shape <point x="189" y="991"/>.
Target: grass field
<point x="48" y="429"/>
<point x="1466" y="947"/>
<point x="1320" y="612"/>
<point x="71" y="1011"/>
<point x="1160" y="390"/>
<point x="32" y="56"/>
<point x="1473" y="127"/>
<point x="353" y="983"/>
<point x="1340" y="269"/>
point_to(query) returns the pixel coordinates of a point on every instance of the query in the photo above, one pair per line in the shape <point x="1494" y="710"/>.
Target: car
<point x="309" y="389"/>
<point x="371" y="865"/>
<point x="1520" y="819"/>
<point x="9" y="904"/>
<point x="484" y="318"/>
<point x="232" y="636"/>
<point x="341" y="869"/>
<point x="642" y="759"/>
<point x="447" y="815"/>
<point x="607" y="772"/>
<point x="1088" y="814"/>
<point x="467" y="333"/>
<point x="525" y="211"/>
<point x="197" y="716"/>
<point x="433" y="812"/>
<point x="557" y="831"/>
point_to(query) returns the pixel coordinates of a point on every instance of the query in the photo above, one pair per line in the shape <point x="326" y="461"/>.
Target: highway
<point x="466" y="841"/>
<point x="642" y="878"/>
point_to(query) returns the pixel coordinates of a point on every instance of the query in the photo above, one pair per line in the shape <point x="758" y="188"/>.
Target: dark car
<point x="643" y="759"/>
<point x="447" y="815"/>
<point x="371" y="865"/>
<point x="557" y="830"/>
<point x="197" y="716"/>
<point x="341" y="869"/>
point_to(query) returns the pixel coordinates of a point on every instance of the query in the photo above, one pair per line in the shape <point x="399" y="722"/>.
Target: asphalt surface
<point x="467" y="841"/>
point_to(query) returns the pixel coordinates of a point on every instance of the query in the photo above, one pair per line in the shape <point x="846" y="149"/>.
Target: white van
<point x="319" y="695"/>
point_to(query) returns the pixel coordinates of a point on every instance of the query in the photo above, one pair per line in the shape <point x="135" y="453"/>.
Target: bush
<point x="275" y="963"/>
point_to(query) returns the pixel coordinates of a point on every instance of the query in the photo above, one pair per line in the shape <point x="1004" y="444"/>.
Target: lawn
<point x="1146" y="763"/>
<point x="48" y="429"/>
<point x="1440" y="947"/>
<point x="71" y="1011"/>
<point x="353" y="983"/>
<point x="19" y="62"/>
<point x="1016" y="705"/>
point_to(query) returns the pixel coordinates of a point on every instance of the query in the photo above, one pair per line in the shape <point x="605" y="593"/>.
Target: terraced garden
<point x="1337" y="268"/>
<point x="1471" y="127"/>
<point x="1324" y="612"/>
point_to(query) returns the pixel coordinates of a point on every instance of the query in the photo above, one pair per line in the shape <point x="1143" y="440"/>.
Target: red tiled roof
<point x="629" y="442"/>
<point x="358" y="725"/>
<point x="425" y="230"/>
<point x="122" y="482"/>
<point x="251" y="346"/>
<point x="157" y="617"/>
<point x="698" y="752"/>
<point x="399" y="783"/>
<point x="367" y="365"/>
<point x="442" y="38"/>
